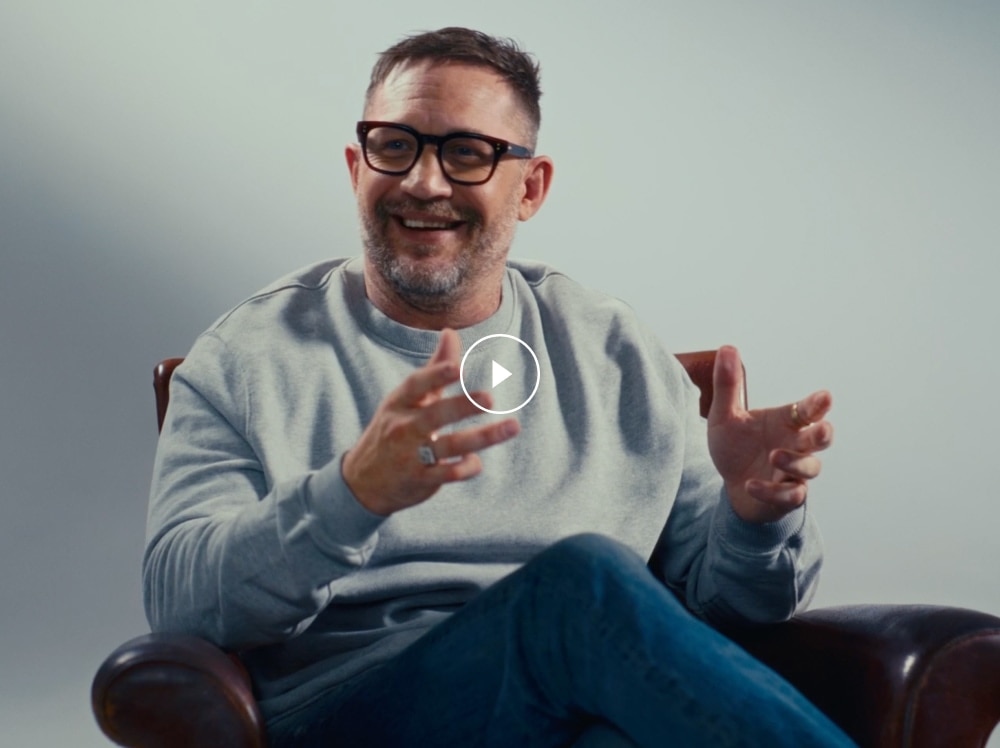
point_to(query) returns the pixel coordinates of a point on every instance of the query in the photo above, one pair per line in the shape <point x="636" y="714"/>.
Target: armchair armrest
<point x="891" y="675"/>
<point x="175" y="690"/>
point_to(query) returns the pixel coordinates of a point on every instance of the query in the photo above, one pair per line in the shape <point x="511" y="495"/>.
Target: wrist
<point x="752" y="510"/>
<point x="365" y="497"/>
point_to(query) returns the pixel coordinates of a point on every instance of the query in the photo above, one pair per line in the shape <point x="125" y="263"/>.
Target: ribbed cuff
<point x="752" y="537"/>
<point x="343" y="527"/>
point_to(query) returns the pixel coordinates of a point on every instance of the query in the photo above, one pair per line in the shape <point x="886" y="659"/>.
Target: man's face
<point x="431" y="241"/>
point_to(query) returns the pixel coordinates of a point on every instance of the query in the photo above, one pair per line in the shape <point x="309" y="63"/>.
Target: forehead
<point x="437" y="98"/>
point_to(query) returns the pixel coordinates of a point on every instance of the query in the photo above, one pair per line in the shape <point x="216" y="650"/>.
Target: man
<point x="397" y="566"/>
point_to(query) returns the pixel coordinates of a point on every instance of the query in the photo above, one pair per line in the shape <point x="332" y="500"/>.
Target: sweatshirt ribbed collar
<point x="411" y="340"/>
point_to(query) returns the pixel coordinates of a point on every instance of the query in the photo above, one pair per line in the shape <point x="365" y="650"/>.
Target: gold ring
<point x="797" y="420"/>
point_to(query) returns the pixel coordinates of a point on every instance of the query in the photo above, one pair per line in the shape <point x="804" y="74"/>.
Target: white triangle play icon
<point x="499" y="374"/>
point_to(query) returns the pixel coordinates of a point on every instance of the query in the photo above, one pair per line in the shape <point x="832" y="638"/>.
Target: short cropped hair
<point x="456" y="44"/>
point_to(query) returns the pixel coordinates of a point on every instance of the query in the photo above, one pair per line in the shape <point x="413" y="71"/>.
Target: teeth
<point x="411" y="224"/>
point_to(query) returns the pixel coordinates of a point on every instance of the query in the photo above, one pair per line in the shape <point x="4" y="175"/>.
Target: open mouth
<point x="425" y="224"/>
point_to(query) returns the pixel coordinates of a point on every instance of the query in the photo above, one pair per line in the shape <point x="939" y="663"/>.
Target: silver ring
<point x="425" y="453"/>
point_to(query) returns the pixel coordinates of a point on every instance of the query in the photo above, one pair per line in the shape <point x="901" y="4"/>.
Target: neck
<point x="469" y="306"/>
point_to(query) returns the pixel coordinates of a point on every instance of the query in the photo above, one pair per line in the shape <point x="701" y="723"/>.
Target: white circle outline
<point x="461" y="374"/>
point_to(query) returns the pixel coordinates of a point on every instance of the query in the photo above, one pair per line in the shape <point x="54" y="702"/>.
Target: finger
<point x="813" y="438"/>
<point x="450" y="410"/>
<point x="424" y="381"/>
<point x="782" y="495"/>
<point x="449" y="347"/>
<point x="457" y="469"/>
<point x="809" y="410"/>
<point x="799" y="466"/>
<point x="727" y="383"/>
<point x="461" y="443"/>
<point x="440" y="370"/>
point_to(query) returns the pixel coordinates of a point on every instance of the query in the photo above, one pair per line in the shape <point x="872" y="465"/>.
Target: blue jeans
<point x="580" y="644"/>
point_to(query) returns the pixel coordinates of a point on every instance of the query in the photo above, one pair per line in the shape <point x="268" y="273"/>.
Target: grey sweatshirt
<point x="255" y="542"/>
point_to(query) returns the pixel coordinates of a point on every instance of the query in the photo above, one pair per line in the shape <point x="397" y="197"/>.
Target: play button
<point x="500" y="374"/>
<point x="504" y="365"/>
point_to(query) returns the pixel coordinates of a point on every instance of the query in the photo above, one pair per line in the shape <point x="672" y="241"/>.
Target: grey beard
<point x="422" y="289"/>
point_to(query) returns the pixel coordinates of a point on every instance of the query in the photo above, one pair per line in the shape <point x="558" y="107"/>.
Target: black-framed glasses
<point x="465" y="157"/>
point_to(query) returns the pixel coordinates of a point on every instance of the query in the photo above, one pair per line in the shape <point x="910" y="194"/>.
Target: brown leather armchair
<point x="911" y="676"/>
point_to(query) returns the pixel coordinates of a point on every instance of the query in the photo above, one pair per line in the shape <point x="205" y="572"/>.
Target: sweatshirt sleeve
<point x="728" y="570"/>
<point x="228" y="557"/>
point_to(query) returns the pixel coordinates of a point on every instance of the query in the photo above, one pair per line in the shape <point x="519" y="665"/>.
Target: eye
<point x="398" y="145"/>
<point x="468" y="152"/>
<point x="390" y="144"/>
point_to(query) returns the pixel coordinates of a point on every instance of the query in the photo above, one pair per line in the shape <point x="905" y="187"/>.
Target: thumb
<point x="728" y="397"/>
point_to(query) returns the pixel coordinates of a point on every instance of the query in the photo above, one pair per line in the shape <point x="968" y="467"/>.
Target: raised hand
<point x="767" y="456"/>
<point x="400" y="460"/>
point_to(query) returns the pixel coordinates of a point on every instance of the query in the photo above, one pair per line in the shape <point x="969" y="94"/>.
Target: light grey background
<point x="815" y="183"/>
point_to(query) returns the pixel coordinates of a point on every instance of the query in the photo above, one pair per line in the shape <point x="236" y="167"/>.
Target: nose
<point x="426" y="180"/>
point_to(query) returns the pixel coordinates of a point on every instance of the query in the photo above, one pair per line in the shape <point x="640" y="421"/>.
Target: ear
<point x="352" y="153"/>
<point x="537" y="180"/>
